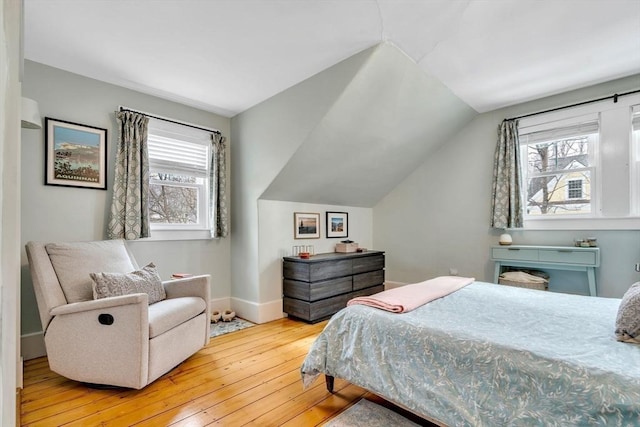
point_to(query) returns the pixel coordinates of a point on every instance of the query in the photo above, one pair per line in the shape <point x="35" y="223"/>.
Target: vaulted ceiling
<point x="226" y="56"/>
<point x="374" y="132"/>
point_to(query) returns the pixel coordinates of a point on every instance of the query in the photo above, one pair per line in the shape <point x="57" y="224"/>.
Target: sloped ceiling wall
<point x="379" y="129"/>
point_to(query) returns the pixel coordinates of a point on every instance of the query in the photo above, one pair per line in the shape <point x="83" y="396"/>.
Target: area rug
<point x="222" y="328"/>
<point x="368" y="414"/>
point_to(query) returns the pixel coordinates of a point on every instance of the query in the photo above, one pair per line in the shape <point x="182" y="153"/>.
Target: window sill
<point x="161" y="235"/>
<point x="623" y="223"/>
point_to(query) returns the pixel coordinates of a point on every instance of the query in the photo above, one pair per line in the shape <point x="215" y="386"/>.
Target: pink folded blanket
<point x="410" y="297"/>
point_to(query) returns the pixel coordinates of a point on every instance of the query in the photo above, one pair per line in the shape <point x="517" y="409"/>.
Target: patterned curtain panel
<point x="129" y="217"/>
<point x="506" y="210"/>
<point x="217" y="190"/>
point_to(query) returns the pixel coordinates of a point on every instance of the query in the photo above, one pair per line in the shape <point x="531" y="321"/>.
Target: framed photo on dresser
<point x="337" y="224"/>
<point x="306" y="225"/>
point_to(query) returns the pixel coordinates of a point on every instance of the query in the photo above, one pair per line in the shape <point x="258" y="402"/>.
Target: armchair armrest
<point x="196" y="286"/>
<point x="100" y="304"/>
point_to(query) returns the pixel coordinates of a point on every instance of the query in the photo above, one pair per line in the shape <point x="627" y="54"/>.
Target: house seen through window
<point x="179" y="161"/>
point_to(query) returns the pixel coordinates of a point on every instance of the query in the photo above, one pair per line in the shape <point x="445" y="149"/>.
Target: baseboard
<point x="32" y="346"/>
<point x="221" y="304"/>
<point x="390" y="284"/>
<point x="256" y="312"/>
<point x="20" y="383"/>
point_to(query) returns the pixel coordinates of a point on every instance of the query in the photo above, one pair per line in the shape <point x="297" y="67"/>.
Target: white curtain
<point x="129" y="217"/>
<point x="506" y="208"/>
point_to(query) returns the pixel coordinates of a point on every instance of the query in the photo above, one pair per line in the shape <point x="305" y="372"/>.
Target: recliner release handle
<point x="105" y="319"/>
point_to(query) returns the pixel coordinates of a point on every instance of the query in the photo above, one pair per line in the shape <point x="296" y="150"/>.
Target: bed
<point x="489" y="355"/>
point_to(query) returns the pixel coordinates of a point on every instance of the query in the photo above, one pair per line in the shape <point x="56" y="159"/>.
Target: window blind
<point x="557" y="133"/>
<point x="177" y="152"/>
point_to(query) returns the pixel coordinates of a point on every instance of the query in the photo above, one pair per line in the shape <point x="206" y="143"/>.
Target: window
<point x="574" y="189"/>
<point x="179" y="161"/>
<point x="581" y="167"/>
<point x="635" y="159"/>
<point x="559" y="167"/>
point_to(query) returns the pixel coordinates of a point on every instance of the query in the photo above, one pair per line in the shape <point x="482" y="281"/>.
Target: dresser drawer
<point x="515" y="254"/>
<point x="366" y="280"/>
<point x="327" y="307"/>
<point x="329" y="270"/>
<point x="330" y="288"/>
<point x="567" y="256"/>
<point x="315" y="311"/>
<point x="317" y="290"/>
<point x="295" y="271"/>
<point x="368" y="263"/>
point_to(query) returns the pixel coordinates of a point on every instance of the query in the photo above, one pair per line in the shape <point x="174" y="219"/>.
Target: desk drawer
<point x="515" y="254"/>
<point x="568" y="256"/>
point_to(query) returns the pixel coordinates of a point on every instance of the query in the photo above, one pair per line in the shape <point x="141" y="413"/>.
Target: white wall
<point x="373" y="135"/>
<point x="438" y="218"/>
<point x="52" y="213"/>
<point x="10" y="57"/>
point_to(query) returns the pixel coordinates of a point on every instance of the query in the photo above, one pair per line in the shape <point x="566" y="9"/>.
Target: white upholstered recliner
<point x="119" y="341"/>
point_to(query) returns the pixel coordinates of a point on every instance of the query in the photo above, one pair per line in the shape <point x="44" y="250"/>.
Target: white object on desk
<point x="548" y="257"/>
<point x="505" y="239"/>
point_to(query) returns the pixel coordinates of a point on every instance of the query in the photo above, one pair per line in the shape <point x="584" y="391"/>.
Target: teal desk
<point x="548" y="257"/>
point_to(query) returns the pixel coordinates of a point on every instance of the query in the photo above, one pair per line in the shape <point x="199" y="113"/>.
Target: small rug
<point x="368" y="414"/>
<point x="236" y="324"/>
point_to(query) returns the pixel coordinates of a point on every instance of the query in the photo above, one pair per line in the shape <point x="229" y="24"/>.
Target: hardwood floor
<point x="249" y="377"/>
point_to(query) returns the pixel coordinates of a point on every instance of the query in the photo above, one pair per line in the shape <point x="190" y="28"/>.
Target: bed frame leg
<point x="328" y="379"/>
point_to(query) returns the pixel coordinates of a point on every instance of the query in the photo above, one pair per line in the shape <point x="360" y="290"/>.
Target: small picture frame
<point x="306" y="225"/>
<point x="75" y="155"/>
<point x="337" y="224"/>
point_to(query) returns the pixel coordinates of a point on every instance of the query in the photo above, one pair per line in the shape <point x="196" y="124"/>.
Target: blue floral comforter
<point x="489" y="355"/>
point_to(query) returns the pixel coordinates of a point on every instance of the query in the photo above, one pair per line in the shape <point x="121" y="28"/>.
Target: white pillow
<point x="628" y="319"/>
<point x="145" y="280"/>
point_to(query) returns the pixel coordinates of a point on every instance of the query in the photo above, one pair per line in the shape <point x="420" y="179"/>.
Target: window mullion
<point x="561" y="172"/>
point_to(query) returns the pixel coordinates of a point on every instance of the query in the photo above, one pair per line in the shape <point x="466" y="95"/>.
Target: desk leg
<point x="591" y="276"/>
<point x="496" y="272"/>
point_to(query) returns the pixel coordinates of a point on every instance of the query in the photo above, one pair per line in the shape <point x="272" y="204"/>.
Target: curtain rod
<point x="166" y="119"/>
<point x="615" y="97"/>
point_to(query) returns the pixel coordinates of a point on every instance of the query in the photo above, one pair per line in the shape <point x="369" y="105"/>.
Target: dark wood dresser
<point x="317" y="287"/>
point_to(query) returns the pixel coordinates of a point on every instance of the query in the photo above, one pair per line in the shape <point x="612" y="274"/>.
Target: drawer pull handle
<point x="565" y="250"/>
<point x="513" y="249"/>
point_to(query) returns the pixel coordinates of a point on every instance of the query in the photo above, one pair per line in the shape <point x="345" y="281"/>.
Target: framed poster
<point x="306" y="225"/>
<point x="337" y="224"/>
<point x="75" y="155"/>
